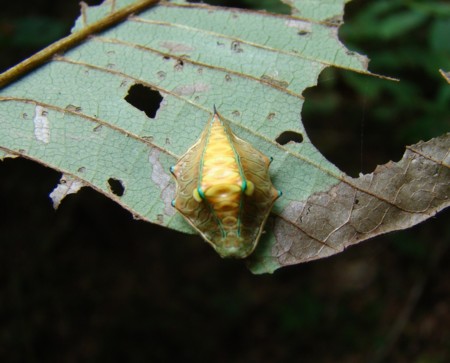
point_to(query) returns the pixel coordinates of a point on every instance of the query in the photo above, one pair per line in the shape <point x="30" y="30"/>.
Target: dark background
<point x="87" y="283"/>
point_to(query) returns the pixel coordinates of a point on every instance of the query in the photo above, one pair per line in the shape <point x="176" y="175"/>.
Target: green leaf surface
<point x="71" y="114"/>
<point x="318" y="10"/>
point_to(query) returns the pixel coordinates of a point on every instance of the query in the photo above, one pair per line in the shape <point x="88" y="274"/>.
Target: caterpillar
<point x="224" y="189"/>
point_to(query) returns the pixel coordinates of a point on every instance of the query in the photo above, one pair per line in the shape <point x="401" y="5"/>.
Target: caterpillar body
<point x="224" y="189"/>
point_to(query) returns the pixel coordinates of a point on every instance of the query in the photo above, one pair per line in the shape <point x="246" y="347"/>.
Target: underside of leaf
<point x="74" y="114"/>
<point x="394" y="197"/>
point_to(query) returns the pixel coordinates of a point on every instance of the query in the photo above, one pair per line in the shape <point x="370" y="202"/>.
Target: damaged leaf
<point x="67" y="185"/>
<point x="73" y="115"/>
<point x="395" y="196"/>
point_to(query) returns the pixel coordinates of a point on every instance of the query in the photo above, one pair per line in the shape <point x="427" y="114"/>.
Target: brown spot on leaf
<point x="161" y="75"/>
<point x="303" y="27"/>
<point x="271" y="116"/>
<point x="160" y="219"/>
<point x="174" y="47"/>
<point x="236" y="47"/>
<point x="73" y="108"/>
<point x="274" y="81"/>
<point x="148" y="138"/>
<point x="191" y="89"/>
<point x="335" y="21"/>
<point x="179" y="65"/>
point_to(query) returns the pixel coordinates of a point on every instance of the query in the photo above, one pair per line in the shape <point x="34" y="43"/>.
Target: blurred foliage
<point x="26" y="28"/>
<point x="88" y="283"/>
<point x="405" y="40"/>
<point x="43" y="31"/>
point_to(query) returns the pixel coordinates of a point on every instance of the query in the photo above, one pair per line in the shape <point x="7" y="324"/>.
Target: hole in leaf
<point x="352" y="124"/>
<point x="144" y="99"/>
<point x="289" y="137"/>
<point x="93" y="2"/>
<point x="395" y="113"/>
<point x="271" y="6"/>
<point x="116" y="186"/>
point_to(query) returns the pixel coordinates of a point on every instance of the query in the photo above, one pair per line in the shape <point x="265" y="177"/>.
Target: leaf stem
<point x="73" y="39"/>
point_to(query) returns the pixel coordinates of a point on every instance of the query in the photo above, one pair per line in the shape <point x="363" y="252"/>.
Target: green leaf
<point x="73" y="114"/>
<point x="330" y="11"/>
<point x="438" y="36"/>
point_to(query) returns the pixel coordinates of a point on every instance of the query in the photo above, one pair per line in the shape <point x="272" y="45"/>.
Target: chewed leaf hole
<point x="289" y="137"/>
<point x="116" y="186"/>
<point x="271" y="5"/>
<point x="144" y="99"/>
<point x="93" y="2"/>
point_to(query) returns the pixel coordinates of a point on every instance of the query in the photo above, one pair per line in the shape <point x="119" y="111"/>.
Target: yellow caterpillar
<point x="224" y="189"/>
